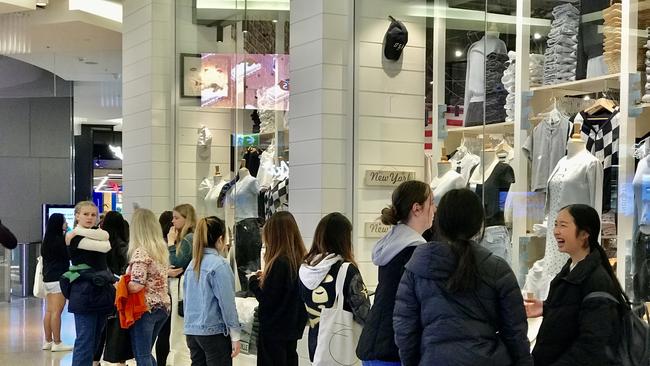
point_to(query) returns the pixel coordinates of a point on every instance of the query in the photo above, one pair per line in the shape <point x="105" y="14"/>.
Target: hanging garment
<point x="248" y="244"/>
<point x="252" y="157"/>
<point x="277" y="198"/>
<point x="464" y="163"/>
<point x="545" y="147"/>
<point x="494" y="192"/>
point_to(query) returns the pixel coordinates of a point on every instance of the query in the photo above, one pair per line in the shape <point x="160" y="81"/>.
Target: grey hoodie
<point x="399" y="237"/>
<point x="312" y="276"/>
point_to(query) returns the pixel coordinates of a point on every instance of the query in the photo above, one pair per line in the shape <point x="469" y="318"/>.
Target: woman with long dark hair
<point x="457" y="304"/>
<point x="281" y="312"/>
<point x="331" y="248"/>
<point x="410" y="214"/>
<point x="576" y="330"/>
<point x="55" y="263"/>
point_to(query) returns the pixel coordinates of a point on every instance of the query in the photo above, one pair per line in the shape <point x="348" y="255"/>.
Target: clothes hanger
<point x="600" y="104"/>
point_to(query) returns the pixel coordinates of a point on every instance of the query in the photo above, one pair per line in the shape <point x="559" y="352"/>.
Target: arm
<point x="102" y="246"/>
<point x="357" y="295"/>
<point x="596" y="320"/>
<point x="222" y="283"/>
<point x="139" y="265"/>
<point x="275" y="285"/>
<point x="7" y="238"/>
<point x="406" y="321"/>
<point x="183" y="256"/>
<point x="512" y="317"/>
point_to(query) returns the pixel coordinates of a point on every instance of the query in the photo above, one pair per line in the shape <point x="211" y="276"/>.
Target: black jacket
<point x="572" y="332"/>
<point x="282" y="314"/>
<point x="7" y="238"/>
<point x="117" y="258"/>
<point x="377" y="340"/>
<point x="435" y="327"/>
<point x="55" y="258"/>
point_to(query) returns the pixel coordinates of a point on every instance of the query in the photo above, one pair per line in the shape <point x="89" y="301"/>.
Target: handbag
<point x="39" y="285"/>
<point x="338" y="333"/>
<point x="181" y="310"/>
<point x="118" y="341"/>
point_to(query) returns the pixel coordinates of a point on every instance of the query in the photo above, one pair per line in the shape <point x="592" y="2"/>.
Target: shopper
<point x="148" y="269"/>
<point x="162" y="342"/>
<point x="411" y="213"/>
<point x="211" y="322"/>
<point x="55" y="263"/>
<point x="332" y="246"/>
<point x="575" y="331"/>
<point x="179" y="241"/>
<point x="88" y="284"/>
<point x="7" y="238"/>
<point x="282" y="315"/>
<point x="457" y="304"/>
<point x="117" y="259"/>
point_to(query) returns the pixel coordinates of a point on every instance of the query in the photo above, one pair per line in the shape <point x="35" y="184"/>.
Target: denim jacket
<point x="210" y="300"/>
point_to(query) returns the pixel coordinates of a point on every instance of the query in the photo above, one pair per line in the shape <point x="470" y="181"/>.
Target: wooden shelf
<point x="579" y="87"/>
<point x="502" y="127"/>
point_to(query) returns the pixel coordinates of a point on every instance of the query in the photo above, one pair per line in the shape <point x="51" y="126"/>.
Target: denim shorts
<point x="496" y="239"/>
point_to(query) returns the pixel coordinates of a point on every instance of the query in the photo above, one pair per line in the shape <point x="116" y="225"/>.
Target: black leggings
<point x="212" y="350"/>
<point x="271" y="352"/>
<point x="162" y="343"/>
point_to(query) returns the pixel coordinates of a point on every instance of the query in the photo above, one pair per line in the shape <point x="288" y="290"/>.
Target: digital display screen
<point x="66" y="210"/>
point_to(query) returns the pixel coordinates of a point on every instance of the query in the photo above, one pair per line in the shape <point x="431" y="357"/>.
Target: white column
<point x="147" y="66"/>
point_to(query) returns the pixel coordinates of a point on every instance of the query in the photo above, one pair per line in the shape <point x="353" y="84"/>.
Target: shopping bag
<point x="338" y="333"/>
<point x="39" y="285"/>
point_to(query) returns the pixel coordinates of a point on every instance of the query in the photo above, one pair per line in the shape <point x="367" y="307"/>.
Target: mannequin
<point x="248" y="241"/>
<point x="446" y="180"/>
<point x="244" y="172"/>
<point x="212" y="196"/>
<point x="577" y="178"/>
<point x="493" y="30"/>
<point x="489" y="161"/>
<point x="463" y="161"/>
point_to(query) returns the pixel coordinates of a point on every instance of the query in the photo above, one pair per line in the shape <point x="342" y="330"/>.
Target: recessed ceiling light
<point x="587" y="97"/>
<point x="458" y="53"/>
<point x="42" y="3"/>
<point x="537" y="36"/>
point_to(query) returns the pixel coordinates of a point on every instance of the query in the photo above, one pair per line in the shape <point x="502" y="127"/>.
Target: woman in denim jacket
<point x="212" y="326"/>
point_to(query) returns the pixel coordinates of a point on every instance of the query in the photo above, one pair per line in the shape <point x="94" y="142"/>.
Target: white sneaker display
<point x="46" y="346"/>
<point x="61" y="347"/>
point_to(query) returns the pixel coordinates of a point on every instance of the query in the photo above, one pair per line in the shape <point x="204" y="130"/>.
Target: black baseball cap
<point x="395" y="40"/>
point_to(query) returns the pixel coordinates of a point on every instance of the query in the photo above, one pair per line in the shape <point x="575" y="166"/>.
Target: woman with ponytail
<point x="410" y="214"/>
<point x="212" y="326"/>
<point x="457" y="304"/>
<point x="575" y="330"/>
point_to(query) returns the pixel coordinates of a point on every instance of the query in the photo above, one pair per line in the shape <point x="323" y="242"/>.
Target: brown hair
<point x="208" y="231"/>
<point x="282" y="238"/>
<point x="187" y="211"/>
<point x="333" y="236"/>
<point x="404" y="197"/>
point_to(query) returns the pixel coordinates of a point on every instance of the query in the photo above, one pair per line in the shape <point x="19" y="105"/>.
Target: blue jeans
<point x="143" y="334"/>
<point x="89" y="328"/>
<point x="380" y="363"/>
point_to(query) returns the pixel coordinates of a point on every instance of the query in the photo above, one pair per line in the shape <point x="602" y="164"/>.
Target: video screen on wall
<point x="50" y="209"/>
<point x="242" y="81"/>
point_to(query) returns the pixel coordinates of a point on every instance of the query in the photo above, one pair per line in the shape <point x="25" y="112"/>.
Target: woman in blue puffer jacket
<point x="457" y="304"/>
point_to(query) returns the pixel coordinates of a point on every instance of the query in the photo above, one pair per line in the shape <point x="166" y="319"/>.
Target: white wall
<point x="390" y="113"/>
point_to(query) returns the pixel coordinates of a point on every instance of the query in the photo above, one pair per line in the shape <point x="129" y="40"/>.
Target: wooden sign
<point x="387" y="178"/>
<point x="376" y="229"/>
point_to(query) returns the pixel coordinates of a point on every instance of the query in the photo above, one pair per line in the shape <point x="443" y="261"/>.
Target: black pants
<point x="641" y="260"/>
<point x="271" y="352"/>
<point x="212" y="350"/>
<point x="248" y="244"/>
<point x="162" y="343"/>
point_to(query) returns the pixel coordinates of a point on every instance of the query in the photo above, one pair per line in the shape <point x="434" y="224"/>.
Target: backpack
<point x="634" y="346"/>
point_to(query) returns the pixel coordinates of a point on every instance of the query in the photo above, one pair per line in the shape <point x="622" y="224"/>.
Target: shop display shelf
<point x="501" y="127"/>
<point x="579" y="87"/>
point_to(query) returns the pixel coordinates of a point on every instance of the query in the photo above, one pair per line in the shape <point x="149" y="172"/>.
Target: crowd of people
<point x="443" y="300"/>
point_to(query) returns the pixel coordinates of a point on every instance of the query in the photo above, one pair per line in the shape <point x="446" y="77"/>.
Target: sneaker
<point x="61" y="347"/>
<point x="46" y="346"/>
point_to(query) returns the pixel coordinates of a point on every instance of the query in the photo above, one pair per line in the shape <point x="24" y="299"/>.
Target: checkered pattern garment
<point x="277" y="198"/>
<point x="601" y="136"/>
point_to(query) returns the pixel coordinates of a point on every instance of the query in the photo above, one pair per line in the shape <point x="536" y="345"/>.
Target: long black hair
<point x="54" y="228"/>
<point x="459" y="218"/>
<point x="113" y="224"/>
<point x="586" y="219"/>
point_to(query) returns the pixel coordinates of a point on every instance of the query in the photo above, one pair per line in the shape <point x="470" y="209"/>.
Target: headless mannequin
<point x="490" y="161"/>
<point x="575" y="146"/>
<point x="443" y="168"/>
<point x="211" y="198"/>
<point x="446" y="179"/>
<point x="244" y="172"/>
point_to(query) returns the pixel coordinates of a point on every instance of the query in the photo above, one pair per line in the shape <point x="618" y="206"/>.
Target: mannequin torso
<point x="490" y="161"/>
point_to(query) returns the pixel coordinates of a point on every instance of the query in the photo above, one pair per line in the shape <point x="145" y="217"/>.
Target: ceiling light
<point x="274" y="20"/>
<point x="537" y="36"/>
<point x="42" y="3"/>
<point x="587" y="97"/>
<point x="458" y="53"/>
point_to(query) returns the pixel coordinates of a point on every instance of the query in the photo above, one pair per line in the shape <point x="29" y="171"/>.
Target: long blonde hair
<point x="208" y="231"/>
<point x="187" y="211"/>
<point x="145" y="233"/>
<point x="82" y="204"/>
<point x="282" y="238"/>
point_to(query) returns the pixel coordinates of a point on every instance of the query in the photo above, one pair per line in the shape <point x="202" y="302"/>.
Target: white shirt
<point x="244" y="197"/>
<point x="464" y="164"/>
<point x="211" y="199"/>
<point x="441" y="185"/>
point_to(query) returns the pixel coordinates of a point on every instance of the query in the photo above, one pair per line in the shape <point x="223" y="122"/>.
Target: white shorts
<point x="52" y="287"/>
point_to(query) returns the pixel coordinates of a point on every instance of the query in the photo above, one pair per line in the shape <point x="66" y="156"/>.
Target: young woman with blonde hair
<point x="88" y="284"/>
<point x="148" y="265"/>
<point x="179" y="242"/>
<point x="282" y="315"/>
<point x="212" y="326"/>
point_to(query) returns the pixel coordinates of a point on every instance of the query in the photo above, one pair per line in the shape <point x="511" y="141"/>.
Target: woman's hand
<point x="236" y="347"/>
<point x="174" y="272"/>
<point x="534" y="308"/>
<point x="171" y="236"/>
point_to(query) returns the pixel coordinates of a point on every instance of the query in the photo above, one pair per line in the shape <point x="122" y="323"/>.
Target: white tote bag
<point x="338" y="334"/>
<point x="39" y="286"/>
